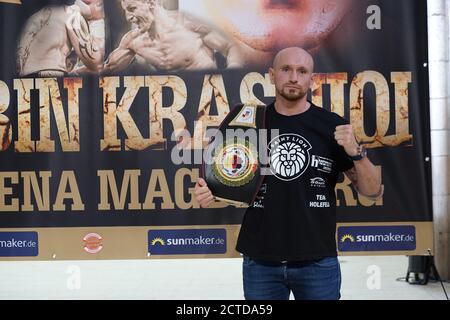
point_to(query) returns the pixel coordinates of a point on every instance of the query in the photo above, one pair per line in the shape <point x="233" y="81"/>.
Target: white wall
<point x="438" y="37"/>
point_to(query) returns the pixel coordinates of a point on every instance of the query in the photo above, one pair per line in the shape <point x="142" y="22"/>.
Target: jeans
<point x="308" y="280"/>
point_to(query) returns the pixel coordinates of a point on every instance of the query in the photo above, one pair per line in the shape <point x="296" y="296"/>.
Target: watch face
<point x="363" y="152"/>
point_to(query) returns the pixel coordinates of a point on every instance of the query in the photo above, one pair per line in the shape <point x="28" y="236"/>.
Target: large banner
<point x="105" y="107"/>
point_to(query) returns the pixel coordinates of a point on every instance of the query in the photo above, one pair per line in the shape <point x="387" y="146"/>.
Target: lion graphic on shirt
<point x="288" y="159"/>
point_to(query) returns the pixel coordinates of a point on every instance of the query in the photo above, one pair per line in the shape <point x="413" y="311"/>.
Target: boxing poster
<point x="106" y="107"/>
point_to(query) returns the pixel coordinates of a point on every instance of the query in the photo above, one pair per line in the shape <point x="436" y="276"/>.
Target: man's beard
<point x="292" y="96"/>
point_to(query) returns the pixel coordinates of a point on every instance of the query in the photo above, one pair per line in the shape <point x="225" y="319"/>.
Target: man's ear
<point x="272" y="76"/>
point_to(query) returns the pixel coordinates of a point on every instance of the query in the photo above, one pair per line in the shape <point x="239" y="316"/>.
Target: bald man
<point x="168" y="40"/>
<point x="287" y="236"/>
<point x="57" y="38"/>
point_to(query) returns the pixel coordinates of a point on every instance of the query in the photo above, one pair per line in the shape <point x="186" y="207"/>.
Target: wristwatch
<point x="362" y="153"/>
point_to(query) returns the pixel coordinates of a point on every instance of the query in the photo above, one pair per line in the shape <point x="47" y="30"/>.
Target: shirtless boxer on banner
<point x="162" y="39"/>
<point x="58" y="40"/>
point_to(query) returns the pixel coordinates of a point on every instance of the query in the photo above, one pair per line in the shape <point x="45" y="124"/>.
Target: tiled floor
<point x="364" y="278"/>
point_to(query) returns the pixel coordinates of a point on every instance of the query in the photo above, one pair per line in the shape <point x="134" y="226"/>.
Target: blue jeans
<point x="308" y="280"/>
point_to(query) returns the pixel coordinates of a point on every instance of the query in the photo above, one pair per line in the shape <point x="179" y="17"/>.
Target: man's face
<point x="291" y="74"/>
<point x="139" y="12"/>
<point x="269" y="25"/>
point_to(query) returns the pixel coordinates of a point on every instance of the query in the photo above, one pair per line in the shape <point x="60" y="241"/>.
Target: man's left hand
<point x="345" y="137"/>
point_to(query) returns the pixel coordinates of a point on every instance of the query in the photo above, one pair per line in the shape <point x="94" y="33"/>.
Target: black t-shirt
<point x="293" y="217"/>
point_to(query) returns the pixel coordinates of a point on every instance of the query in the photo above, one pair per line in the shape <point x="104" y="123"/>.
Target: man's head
<point x="139" y="12"/>
<point x="291" y="73"/>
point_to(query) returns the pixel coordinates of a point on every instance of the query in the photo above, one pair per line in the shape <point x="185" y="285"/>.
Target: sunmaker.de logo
<point x="376" y="238"/>
<point x="187" y="241"/>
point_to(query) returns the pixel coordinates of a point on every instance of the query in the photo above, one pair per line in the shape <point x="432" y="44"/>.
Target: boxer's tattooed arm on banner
<point x="83" y="43"/>
<point x="29" y="35"/>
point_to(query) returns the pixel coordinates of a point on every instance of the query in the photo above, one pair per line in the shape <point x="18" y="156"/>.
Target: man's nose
<point x="293" y="77"/>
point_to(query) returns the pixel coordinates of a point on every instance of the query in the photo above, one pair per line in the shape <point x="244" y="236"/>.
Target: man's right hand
<point x="202" y="193"/>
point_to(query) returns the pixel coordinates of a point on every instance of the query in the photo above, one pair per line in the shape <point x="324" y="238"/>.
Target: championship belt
<point x="231" y="164"/>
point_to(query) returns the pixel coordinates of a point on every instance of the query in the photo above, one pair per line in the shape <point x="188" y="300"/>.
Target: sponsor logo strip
<point x="19" y="244"/>
<point x="376" y="238"/>
<point x="182" y="241"/>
